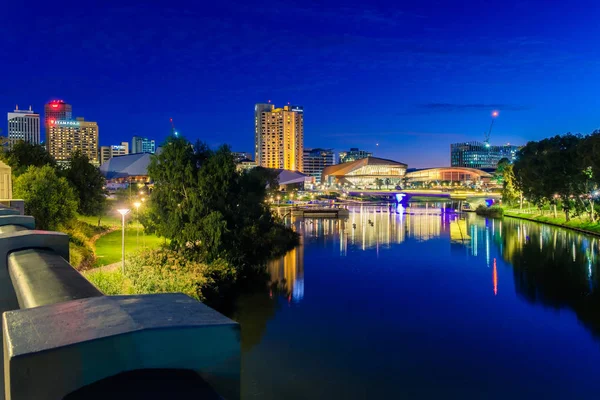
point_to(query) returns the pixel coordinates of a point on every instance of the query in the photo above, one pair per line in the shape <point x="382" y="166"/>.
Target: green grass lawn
<point x="578" y="223"/>
<point x="108" y="247"/>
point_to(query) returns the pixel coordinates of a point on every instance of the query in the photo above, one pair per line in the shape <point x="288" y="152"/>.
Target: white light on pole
<point x="123" y="212"/>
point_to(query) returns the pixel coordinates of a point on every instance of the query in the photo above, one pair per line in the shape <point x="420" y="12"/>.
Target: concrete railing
<point x="62" y="338"/>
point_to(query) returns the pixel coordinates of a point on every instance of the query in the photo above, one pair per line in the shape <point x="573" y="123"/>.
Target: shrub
<point x="493" y="211"/>
<point x="167" y="271"/>
<point x="110" y="282"/>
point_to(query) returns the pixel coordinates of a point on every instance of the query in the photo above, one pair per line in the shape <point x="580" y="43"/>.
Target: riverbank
<point x="577" y="224"/>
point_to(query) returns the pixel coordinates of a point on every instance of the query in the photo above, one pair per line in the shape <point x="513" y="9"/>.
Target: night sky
<point x="412" y="76"/>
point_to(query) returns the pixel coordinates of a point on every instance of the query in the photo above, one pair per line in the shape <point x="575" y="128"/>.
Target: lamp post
<point x="137" y="205"/>
<point x="123" y="212"/>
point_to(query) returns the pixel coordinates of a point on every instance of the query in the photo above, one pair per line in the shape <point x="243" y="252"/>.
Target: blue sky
<point x="411" y="76"/>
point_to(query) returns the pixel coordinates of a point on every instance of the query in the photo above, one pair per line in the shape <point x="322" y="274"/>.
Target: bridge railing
<point x="62" y="338"/>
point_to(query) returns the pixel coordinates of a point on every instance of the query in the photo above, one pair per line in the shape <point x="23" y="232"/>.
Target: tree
<point x="499" y="173"/>
<point x="209" y="209"/>
<point x="48" y="197"/>
<point x="388" y="181"/>
<point x="23" y="155"/>
<point x="88" y="183"/>
<point x="378" y="182"/>
<point x="510" y="193"/>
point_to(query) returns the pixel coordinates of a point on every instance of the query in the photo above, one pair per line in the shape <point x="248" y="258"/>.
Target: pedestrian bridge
<point x="64" y="339"/>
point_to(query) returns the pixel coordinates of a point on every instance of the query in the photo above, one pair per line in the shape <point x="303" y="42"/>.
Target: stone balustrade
<point x="64" y="339"/>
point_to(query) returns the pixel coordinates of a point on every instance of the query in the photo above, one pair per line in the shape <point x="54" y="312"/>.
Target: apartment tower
<point x="279" y="136"/>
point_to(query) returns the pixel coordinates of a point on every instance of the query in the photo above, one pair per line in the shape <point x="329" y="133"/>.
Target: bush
<point x="48" y="197"/>
<point x="81" y="248"/>
<point x="493" y="211"/>
<point x="110" y="282"/>
<point x="167" y="271"/>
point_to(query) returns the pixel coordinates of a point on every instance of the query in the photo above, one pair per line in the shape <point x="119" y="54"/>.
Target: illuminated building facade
<point x="449" y="174"/>
<point x="57" y="110"/>
<point x="480" y="155"/>
<point x="142" y="145"/>
<point x="279" y="137"/>
<point x="316" y="160"/>
<point x="23" y="125"/>
<point x="363" y="173"/>
<point x="63" y="137"/>
<point x="108" y="152"/>
<point x="353" y="154"/>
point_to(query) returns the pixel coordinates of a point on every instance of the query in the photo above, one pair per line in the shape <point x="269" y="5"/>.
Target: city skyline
<point x="404" y="76"/>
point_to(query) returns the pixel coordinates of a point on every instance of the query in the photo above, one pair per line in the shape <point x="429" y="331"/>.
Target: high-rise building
<point x="23" y="125"/>
<point x="108" y="152"/>
<point x="279" y="136"/>
<point x="480" y="155"/>
<point x="142" y="145"/>
<point x="57" y="109"/>
<point x="63" y="137"/>
<point x="315" y="160"/>
<point x="353" y="154"/>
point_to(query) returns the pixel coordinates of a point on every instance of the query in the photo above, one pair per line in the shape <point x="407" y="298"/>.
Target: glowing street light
<point x="123" y="212"/>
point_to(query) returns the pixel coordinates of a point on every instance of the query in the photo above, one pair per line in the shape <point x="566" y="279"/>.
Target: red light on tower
<point x="494" y="114"/>
<point x="54" y="105"/>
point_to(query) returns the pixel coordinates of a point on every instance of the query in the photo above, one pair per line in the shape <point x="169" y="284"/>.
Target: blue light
<point x="400" y="197"/>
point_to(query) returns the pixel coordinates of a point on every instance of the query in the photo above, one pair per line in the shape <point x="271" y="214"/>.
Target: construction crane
<point x="173" y="131"/>
<point x="486" y="140"/>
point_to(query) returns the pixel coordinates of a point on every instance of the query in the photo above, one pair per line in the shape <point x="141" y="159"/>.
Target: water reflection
<point x="287" y="274"/>
<point x="552" y="267"/>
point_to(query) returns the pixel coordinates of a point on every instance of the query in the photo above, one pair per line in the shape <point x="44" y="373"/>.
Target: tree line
<point x="561" y="171"/>
<point x="54" y="193"/>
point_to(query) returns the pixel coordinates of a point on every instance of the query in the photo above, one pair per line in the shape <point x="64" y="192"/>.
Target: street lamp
<point x="123" y="212"/>
<point x="137" y="205"/>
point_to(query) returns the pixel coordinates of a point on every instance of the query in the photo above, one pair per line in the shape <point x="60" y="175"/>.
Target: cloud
<point x="466" y="107"/>
<point x="371" y="136"/>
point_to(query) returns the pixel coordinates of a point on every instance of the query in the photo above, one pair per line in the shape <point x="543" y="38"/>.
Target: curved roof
<point x="126" y="166"/>
<point x="345" y="168"/>
<point x="287" y="177"/>
<point x="420" y="172"/>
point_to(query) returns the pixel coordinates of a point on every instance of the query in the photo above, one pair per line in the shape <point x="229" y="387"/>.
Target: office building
<point x="315" y="160"/>
<point x="353" y="154"/>
<point x="108" y="152"/>
<point x="365" y="173"/>
<point x="23" y="125"/>
<point x="142" y="145"/>
<point x="63" y="137"/>
<point x="239" y="156"/>
<point x="57" y="110"/>
<point x="279" y="136"/>
<point x="480" y="155"/>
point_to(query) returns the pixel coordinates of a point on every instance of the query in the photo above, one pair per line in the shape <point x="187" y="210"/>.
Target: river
<point x="425" y="304"/>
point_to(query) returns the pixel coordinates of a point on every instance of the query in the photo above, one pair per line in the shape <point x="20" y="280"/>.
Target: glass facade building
<point x="480" y="155"/>
<point x="363" y="173"/>
<point x="315" y="160"/>
<point x="142" y="145"/>
<point x="353" y="154"/>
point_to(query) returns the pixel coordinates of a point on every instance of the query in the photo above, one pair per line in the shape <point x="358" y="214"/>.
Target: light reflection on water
<point x="434" y="302"/>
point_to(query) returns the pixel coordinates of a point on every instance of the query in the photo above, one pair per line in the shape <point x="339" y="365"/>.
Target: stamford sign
<point x="64" y="123"/>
